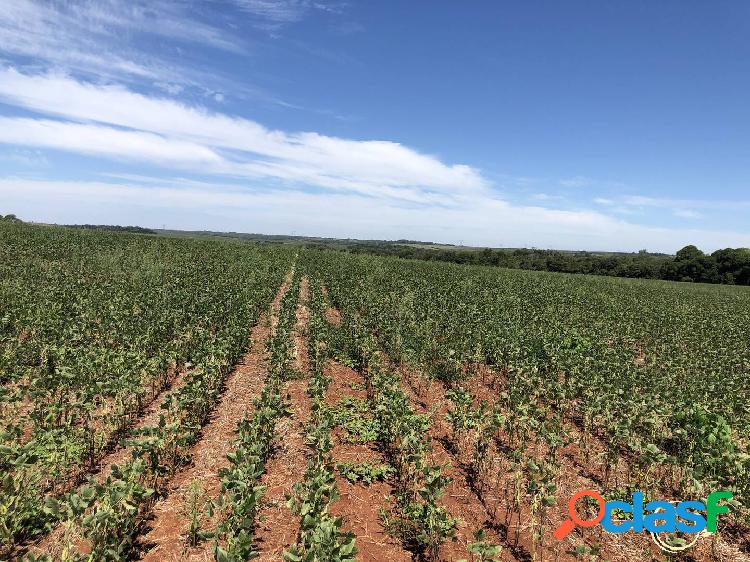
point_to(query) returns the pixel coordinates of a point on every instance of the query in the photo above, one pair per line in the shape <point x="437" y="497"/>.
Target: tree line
<point x="11" y="218"/>
<point x="730" y="266"/>
<point x="113" y="228"/>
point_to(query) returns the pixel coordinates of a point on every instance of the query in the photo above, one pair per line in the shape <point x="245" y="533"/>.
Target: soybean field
<point x="187" y="399"/>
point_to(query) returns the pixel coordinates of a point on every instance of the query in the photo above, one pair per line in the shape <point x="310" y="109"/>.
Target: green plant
<point x="197" y="508"/>
<point x="321" y="538"/>
<point x="107" y="513"/>
<point x="586" y="553"/>
<point x="354" y="416"/>
<point x="482" y="550"/>
<point x="463" y="417"/>
<point x="366" y="472"/>
<point x="434" y="523"/>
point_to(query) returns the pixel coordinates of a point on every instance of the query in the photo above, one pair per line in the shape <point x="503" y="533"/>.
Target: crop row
<point x="657" y="371"/>
<point x="320" y="533"/>
<point x="90" y="321"/>
<point x="241" y="492"/>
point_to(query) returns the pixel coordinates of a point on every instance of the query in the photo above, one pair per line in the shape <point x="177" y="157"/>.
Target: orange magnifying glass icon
<point x="569" y="524"/>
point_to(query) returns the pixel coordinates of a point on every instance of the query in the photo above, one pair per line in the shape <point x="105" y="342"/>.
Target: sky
<point x="597" y="125"/>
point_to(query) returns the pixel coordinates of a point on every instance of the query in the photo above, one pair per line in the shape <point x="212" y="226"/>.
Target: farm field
<point x="181" y="399"/>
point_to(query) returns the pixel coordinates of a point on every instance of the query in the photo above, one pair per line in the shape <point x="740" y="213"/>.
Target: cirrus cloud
<point x="111" y="120"/>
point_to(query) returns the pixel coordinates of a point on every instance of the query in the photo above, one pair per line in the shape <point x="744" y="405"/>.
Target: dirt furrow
<point x="460" y="499"/>
<point x="278" y="526"/>
<point x="165" y="539"/>
<point x="360" y="505"/>
<point x="301" y="354"/>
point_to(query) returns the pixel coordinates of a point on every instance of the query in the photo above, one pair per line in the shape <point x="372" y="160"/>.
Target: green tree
<point x="689" y="253"/>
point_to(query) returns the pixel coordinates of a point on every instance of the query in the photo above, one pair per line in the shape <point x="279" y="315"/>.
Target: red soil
<point x="278" y="525"/>
<point x="360" y="505"/>
<point x="165" y="540"/>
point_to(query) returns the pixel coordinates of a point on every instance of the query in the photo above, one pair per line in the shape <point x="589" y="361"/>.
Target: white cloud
<point x="225" y="207"/>
<point x="686" y="214"/>
<point x="280" y="11"/>
<point x="373" y="188"/>
<point x="376" y="167"/>
<point x="104" y="141"/>
<point x="29" y="158"/>
<point x="577" y="181"/>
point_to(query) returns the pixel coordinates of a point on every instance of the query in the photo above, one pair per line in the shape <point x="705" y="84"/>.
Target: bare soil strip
<point x="332" y="314"/>
<point x="165" y="539"/>
<point x="278" y="526"/>
<point x="360" y="505"/>
<point x="301" y="359"/>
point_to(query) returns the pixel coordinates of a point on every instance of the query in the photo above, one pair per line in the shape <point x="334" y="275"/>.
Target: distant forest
<point x="114" y="228"/>
<point x="730" y="266"/>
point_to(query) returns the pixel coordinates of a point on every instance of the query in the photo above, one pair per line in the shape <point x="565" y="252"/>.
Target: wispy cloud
<point x="162" y="130"/>
<point x="286" y="11"/>
<point x="546" y="197"/>
<point x="92" y="36"/>
<point x="577" y="181"/>
<point x="692" y="209"/>
<point x="684" y="204"/>
<point x="23" y="157"/>
<point x="686" y="214"/>
<point x="148" y="44"/>
<point x="277" y="11"/>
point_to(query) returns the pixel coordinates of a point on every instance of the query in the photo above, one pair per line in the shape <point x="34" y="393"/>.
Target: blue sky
<point x="575" y="125"/>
